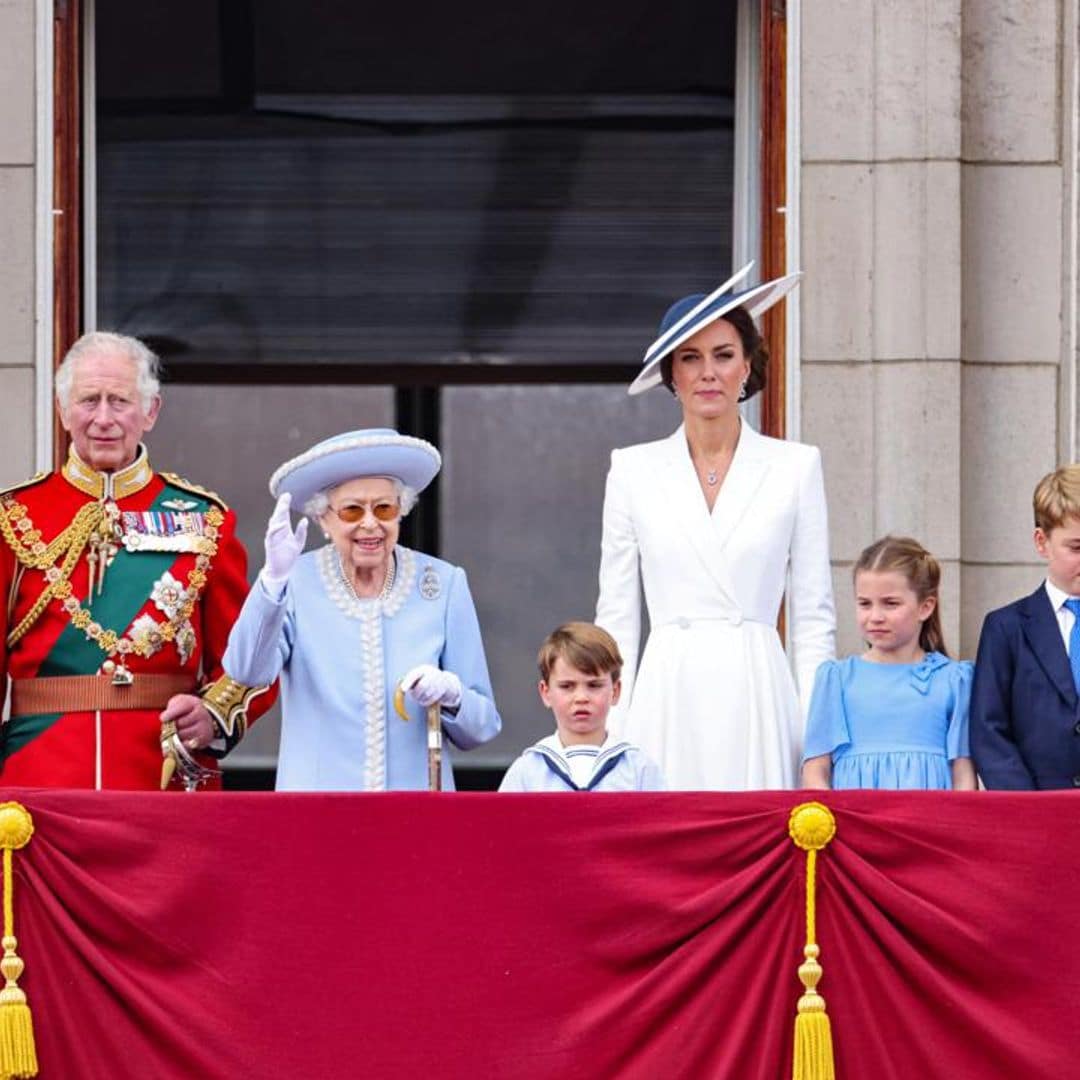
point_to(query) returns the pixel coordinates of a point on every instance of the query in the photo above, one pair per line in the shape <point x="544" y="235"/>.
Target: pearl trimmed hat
<point x="693" y="313"/>
<point x="368" y="452"/>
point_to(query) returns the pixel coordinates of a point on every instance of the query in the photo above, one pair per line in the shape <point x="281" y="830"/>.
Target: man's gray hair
<point x="102" y="343"/>
<point x="319" y="503"/>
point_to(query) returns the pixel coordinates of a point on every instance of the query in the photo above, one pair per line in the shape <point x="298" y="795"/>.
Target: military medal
<point x="160" y="530"/>
<point x="96" y="530"/>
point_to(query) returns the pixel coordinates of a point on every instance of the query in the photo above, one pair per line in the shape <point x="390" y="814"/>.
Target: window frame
<point x="762" y="168"/>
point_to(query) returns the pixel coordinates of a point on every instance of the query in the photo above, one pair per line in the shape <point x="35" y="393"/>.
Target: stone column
<point x="17" y="232"/>
<point x="881" y="237"/>
<point x="1015" y="115"/>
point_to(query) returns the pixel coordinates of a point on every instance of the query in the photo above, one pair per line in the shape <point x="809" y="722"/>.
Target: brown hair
<point x="581" y="645"/>
<point x="923" y="574"/>
<point x="1057" y="497"/>
<point x="754" y="346"/>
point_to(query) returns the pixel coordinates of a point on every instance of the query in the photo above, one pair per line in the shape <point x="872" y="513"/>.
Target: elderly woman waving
<point x="346" y="624"/>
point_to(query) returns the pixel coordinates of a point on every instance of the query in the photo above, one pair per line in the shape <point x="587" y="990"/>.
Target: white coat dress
<point x="713" y="700"/>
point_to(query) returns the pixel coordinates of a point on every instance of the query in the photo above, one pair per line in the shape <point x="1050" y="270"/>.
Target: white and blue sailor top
<point x="615" y="765"/>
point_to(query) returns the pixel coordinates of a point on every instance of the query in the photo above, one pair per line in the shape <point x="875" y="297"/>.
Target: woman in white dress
<point x="716" y="522"/>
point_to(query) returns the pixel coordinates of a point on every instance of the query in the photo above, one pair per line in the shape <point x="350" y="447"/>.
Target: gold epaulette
<point x="187" y="485"/>
<point x="37" y="478"/>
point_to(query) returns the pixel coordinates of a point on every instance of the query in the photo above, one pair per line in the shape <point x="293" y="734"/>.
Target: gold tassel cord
<point x="811" y="826"/>
<point x="18" y="1057"/>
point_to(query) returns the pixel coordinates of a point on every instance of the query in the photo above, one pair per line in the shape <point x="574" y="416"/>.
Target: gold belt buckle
<point x="121" y="676"/>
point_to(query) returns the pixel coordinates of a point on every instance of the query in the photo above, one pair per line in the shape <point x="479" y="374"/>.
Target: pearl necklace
<point x="387" y="585"/>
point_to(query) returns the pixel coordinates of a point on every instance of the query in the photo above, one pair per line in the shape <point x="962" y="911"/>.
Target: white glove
<point x="283" y="547"/>
<point x="426" y="685"/>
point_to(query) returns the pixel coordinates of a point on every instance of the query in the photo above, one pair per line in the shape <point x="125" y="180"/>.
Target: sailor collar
<point x="105" y="485"/>
<point x="555" y="757"/>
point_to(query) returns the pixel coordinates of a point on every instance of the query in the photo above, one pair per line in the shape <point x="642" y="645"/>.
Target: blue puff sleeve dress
<point x="890" y="726"/>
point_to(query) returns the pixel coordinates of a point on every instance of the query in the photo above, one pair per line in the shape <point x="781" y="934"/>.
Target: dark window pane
<point x="274" y="240"/>
<point x="171" y="48"/>
<point x="522" y="495"/>
<point x="396" y="185"/>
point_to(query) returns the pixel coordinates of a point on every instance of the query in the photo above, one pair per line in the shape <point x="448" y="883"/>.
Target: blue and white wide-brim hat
<point x="693" y="313"/>
<point x="369" y="452"/>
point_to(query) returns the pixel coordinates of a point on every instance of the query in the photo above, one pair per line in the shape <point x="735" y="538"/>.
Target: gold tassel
<point x="18" y="1058"/>
<point x="811" y="826"/>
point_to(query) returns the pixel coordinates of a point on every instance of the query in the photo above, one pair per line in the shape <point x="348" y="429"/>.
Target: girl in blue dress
<point x="895" y="716"/>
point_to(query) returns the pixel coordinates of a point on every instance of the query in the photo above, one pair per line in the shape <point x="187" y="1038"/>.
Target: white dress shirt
<point x="1065" y="618"/>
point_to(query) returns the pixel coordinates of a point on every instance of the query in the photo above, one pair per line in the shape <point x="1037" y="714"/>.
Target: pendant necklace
<point x="712" y="476"/>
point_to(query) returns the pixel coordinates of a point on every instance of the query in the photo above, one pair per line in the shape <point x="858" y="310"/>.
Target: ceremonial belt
<point x="95" y="693"/>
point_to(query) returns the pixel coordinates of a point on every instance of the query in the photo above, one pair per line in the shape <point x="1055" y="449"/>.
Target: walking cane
<point x="434" y="737"/>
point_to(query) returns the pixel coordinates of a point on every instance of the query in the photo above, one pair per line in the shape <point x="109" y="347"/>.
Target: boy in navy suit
<point x="1025" y="706"/>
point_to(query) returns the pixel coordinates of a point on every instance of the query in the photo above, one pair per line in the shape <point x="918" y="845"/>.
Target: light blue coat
<point x="340" y="659"/>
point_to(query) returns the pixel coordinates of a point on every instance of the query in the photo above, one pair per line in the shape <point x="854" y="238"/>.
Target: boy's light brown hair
<point x="582" y="645"/>
<point x="1057" y="497"/>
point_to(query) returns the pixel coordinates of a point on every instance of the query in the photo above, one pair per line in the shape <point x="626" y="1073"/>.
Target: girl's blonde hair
<point x="906" y="556"/>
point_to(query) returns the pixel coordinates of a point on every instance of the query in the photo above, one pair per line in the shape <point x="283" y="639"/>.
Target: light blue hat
<point x="693" y="313"/>
<point x="368" y="452"/>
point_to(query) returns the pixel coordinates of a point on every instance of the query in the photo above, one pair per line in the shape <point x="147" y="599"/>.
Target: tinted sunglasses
<point x="384" y="511"/>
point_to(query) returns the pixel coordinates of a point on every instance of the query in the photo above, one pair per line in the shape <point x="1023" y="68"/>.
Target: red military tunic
<point x="170" y="594"/>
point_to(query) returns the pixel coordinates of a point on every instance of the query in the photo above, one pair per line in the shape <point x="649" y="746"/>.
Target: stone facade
<point x="938" y="175"/>
<point x="938" y="322"/>
<point x="18" y="139"/>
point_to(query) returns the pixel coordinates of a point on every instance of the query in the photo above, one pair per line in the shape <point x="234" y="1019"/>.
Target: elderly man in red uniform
<point x="118" y="587"/>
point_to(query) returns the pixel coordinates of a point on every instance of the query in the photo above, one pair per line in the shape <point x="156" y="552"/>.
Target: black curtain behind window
<point x="381" y="185"/>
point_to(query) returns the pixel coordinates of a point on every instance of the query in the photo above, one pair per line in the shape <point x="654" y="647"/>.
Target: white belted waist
<point x="732" y="618"/>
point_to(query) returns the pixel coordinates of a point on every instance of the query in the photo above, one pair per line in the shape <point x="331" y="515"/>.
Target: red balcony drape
<point x="544" y="936"/>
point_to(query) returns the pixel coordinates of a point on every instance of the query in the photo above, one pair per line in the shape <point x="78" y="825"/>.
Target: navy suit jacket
<point x="1025" y="712"/>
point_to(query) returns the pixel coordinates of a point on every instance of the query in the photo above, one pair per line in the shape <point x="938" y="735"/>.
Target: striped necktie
<point x="1073" y="604"/>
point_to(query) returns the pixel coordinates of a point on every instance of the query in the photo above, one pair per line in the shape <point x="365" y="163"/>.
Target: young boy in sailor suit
<point x="580" y="667"/>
